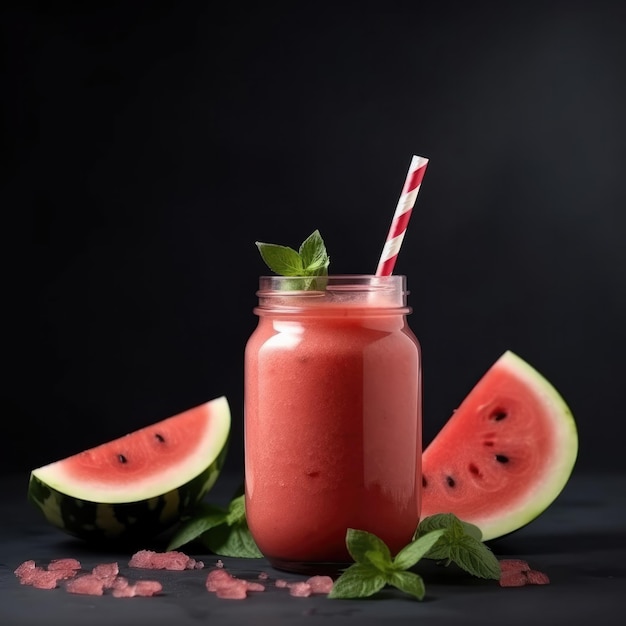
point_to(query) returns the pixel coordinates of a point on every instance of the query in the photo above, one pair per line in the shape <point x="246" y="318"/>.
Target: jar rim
<point x="371" y="281"/>
<point x="350" y="290"/>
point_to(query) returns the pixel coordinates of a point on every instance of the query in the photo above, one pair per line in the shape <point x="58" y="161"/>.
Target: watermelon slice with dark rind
<point x="505" y="454"/>
<point x="138" y="485"/>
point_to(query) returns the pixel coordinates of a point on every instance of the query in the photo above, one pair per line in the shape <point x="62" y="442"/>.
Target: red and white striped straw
<point x="401" y="216"/>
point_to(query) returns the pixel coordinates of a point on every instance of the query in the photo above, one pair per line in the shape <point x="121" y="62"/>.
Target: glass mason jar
<point x="333" y="418"/>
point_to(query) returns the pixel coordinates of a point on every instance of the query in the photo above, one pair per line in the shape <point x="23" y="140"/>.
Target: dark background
<point x="148" y="145"/>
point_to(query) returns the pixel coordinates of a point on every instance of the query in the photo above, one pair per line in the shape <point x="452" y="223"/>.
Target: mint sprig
<point x="224" y="531"/>
<point x="461" y="544"/>
<point x="374" y="567"/>
<point x="444" y="538"/>
<point x="310" y="260"/>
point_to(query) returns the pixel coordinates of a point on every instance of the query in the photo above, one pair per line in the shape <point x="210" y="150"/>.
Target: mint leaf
<point x="232" y="540"/>
<point x="410" y="583"/>
<point x="379" y="561"/>
<point x="236" y="510"/>
<point x="453" y="529"/>
<point x="207" y="516"/>
<point x="281" y="259"/>
<point x="311" y="260"/>
<point x="417" y="549"/>
<point x="358" y="581"/>
<point x="313" y="254"/>
<point x="475" y="557"/>
<point x="366" y="548"/>
<point x="448" y="520"/>
<point x="460" y="544"/>
<point x="223" y="531"/>
<point x="472" y="530"/>
<point x="374" y="567"/>
<point x="442" y="537"/>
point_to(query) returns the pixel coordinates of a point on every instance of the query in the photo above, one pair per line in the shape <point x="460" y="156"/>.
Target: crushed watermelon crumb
<point x="86" y="584"/>
<point x="518" y="573"/>
<point x="143" y="588"/>
<point x="64" y="564"/>
<point x="229" y="587"/>
<point x="537" y="578"/>
<point x="31" y="574"/>
<point x="515" y="565"/>
<point x="215" y="578"/>
<point x="169" y="560"/>
<point x="300" y="590"/>
<point x="24" y="568"/>
<point x="320" y="584"/>
<point x="106" y="570"/>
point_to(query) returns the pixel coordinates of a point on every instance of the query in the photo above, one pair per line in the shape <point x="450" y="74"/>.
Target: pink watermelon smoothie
<point x="332" y="431"/>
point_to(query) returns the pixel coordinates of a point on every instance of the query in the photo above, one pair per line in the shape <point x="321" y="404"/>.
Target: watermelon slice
<point x="505" y="454"/>
<point x="138" y="485"/>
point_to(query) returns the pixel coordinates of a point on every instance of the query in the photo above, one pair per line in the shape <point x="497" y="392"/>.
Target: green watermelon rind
<point x="542" y="494"/>
<point x="130" y="514"/>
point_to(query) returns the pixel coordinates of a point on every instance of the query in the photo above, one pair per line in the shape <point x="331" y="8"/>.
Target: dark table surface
<point x="580" y="542"/>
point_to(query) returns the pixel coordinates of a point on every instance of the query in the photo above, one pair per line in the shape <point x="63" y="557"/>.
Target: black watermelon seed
<point x="450" y="481"/>
<point x="424" y="482"/>
<point x="159" y="438"/>
<point x="501" y="458"/>
<point x="498" y="415"/>
<point x="122" y="459"/>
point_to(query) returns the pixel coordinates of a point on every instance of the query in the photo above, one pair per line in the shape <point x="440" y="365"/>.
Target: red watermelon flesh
<point x="505" y="454"/>
<point x="105" y="473"/>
